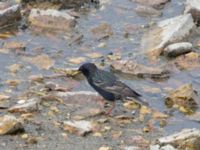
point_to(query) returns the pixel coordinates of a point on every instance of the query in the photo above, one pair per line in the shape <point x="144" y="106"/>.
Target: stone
<point x="9" y="124"/>
<point x="9" y="15"/>
<point x="14" y="45"/>
<point x="188" y="61"/>
<point x="30" y="105"/>
<point x="4" y="97"/>
<point x="176" y="49"/>
<point x="166" y="147"/>
<point x="146" y="11"/>
<point x="185" y="139"/>
<point x="132" y="148"/>
<point x="133" y="68"/>
<point x="51" y="19"/>
<point x="104" y="30"/>
<point x="154" y="3"/>
<point x="42" y="61"/>
<point x="15" y="68"/>
<point x="65" y="3"/>
<point x="195" y="117"/>
<point x="193" y="7"/>
<point x="166" y="32"/>
<point x="184" y="97"/>
<point x="81" y="127"/>
<point x="86" y="98"/>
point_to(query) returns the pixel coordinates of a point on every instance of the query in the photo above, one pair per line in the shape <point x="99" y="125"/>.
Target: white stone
<point x="166" y="32"/>
<point x="83" y="127"/>
<point x="167" y="147"/>
<point x="177" y="49"/>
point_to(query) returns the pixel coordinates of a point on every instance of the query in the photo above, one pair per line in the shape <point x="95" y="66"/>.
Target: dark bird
<point x="108" y="85"/>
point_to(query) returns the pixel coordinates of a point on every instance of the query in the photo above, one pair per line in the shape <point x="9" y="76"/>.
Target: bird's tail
<point x="139" y="100"/>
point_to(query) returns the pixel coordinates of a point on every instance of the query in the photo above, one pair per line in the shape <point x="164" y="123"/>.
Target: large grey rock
<point x="177" y="49"/>
<point x="166" y="32"/>
<point x="52" y="19"/>
<point x="193" y="7"/>
<point x="9" y="14"/>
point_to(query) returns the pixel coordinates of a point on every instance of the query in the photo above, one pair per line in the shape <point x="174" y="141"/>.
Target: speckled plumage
<point x="108" y="85"/>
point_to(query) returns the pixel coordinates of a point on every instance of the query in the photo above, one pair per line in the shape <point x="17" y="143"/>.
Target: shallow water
<point x="117" y="13"/>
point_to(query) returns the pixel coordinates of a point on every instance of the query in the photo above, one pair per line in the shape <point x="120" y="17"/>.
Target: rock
<point x="51" y="19"/>
<point x="36" y="78"/>
<point x="42" y="61"/>
<point x="193" y="7"/>
<point x="146" y="11"/>
<point x="86" y="98"/>
<point x="132" y="148"/>
<point x="133" y="68"/>
<point x="188" y="61"/>
<point x="185" y="139"/>
<point x="154" y="147"/>
<point x="9" y="124"/>
<point x="154" y="3"/>
<point x="14" y="45"/>
<point x="13" y="83"/>
<point x="30" y="105"/>
<point x="81" y="127"/>
<point x="14" y="68"/>
<point x="174" y="50"/>
<point x="94" y="55"/>
<point x="131" y="29"/>
<point x="69" y="72"/>
<point x="65" y="3"/>
<point x="9" y="15"/>
<point x="86" y="112"/>
<point x="167" y="32"/>
<point x="195" y="116"/>
<point x="102" y="31"/>
<point x="105" y="148"/>
<point x="4" y="97"/>
<point x="166" y="147"/>
<point x="77" y="60"/>
<point x="185" y="98"/>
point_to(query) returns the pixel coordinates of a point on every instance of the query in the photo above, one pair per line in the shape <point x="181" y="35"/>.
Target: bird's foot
<point x="110" y="110"/>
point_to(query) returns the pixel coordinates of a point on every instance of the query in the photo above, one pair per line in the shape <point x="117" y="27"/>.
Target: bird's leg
<point x="111" y="108"/>
<point x="102" y="103"/>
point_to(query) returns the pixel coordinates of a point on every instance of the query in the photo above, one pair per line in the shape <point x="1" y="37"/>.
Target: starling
<point x="108" y="85"/>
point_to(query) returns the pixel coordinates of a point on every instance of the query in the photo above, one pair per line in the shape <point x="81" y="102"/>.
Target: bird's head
<point x="88" y="69"/>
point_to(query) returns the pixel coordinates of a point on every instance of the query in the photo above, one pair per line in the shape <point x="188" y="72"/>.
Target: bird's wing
<point x="123" y="89"/>
<point x="109" y="83"/>
<point x="102" y="77"/>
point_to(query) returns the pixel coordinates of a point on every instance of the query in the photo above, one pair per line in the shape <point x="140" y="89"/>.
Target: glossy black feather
<point x="108" y="85"/>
